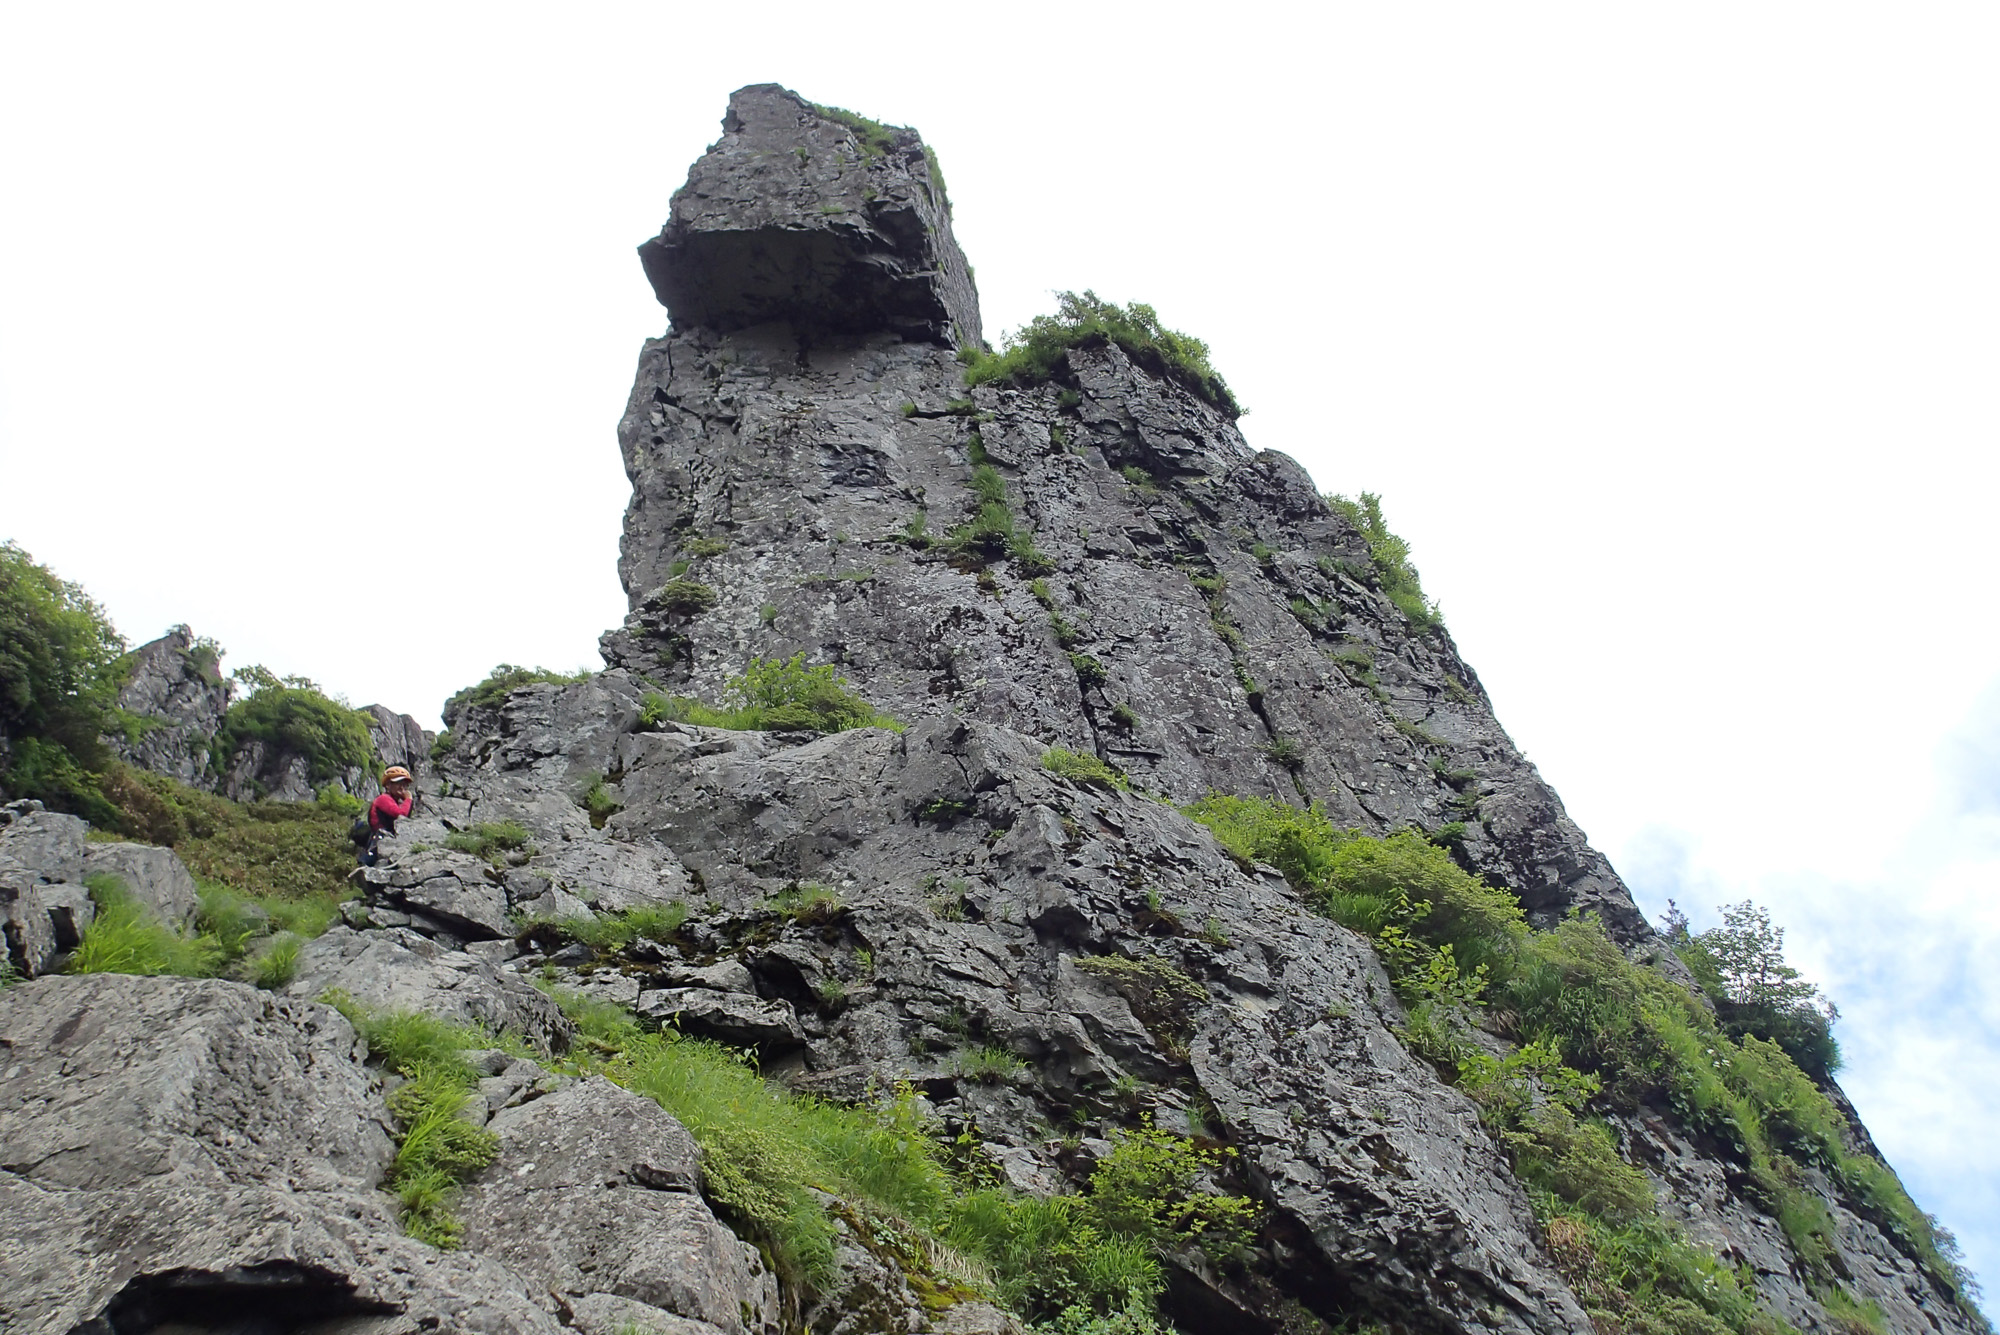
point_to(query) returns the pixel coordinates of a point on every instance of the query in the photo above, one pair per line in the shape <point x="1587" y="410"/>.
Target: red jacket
<point x="382" y="813"/>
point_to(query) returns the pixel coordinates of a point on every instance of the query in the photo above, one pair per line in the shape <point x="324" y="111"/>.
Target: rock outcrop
<point x="859" y="909"/>
<point x="177" y="689"/>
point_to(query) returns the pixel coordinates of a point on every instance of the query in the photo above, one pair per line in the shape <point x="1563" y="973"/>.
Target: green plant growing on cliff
<point x="775" y="694"/>
<point x="1390" y="556"/>
<point x="1741" y="967"/>
<point x="126" y="937"/>
<point x="615" y="930"/>
<point x="437" y="1148"/>
<point x="1031" y="353"/>
<point x="1079" y="767"/>
<point x="501" y="682"/>
<point x="492" y="840"/>
<point x="872" y="137"/>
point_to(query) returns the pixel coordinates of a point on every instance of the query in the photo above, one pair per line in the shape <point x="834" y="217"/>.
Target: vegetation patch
<point x="1595" y="1031"/>
<point x="61" y="668"/>
<point x="437" y="1148"/>
<point x="492" y="840"/>
<point x="614" y="931"/>
<point x="293" y="716"/>
<point x="1081" y="767"/>
<point x="1390" y="556"/>
<point x="1741" y="967"/>
<point x="126" y="936"/>
<point x="1030" y="354"/>
<point x="775" y="694"/>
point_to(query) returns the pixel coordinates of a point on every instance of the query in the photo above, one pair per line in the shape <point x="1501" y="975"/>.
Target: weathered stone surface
<point x="398" y="969"/>
<point x="43" y="906"/>
<point x="795" y="216"/>
<point x="206" y="1153"/>
<point x="456" y="890"/>
<point x="155" y="876"/>
<point x="595" y="1193"/>
<point x="727" y="1017"/>
<point x="183" y="692"/>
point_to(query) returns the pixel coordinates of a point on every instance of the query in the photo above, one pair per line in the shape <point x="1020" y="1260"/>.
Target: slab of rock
<point x="595" y="1193"/>
<point x="155" y="876"/>
<point x="726" y="1017"/>
<point x="397" y="969"/>
<point x="204" y="1153"/>
<point x="799" y="215"/>
<point x="43" y="905"/>
<point x="450" y="888"/>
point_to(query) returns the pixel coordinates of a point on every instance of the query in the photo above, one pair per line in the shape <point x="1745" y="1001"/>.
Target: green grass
<point x="1078" y="767"/>
<point x="125" y="937"/>
<point x="437" y="1148"/>
<point x="1030" y="354"/>
<point x="806" y="902"/>
<point x="492" y="840"/>
<point x="278" y="963"/>
<point x="775" y="694"/>
<point x="598" y="800"/>
<point x="764" y="1152"/>
<point x="987" y="1065"/>
<point x="615" y="931"/>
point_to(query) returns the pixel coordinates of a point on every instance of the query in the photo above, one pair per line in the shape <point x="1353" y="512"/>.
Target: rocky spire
<point x="816" y="217"/>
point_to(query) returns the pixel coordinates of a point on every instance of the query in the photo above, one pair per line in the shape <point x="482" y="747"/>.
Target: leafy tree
<point x="292" y="714"/>
<point x="60" y="671"/>
<point x="1741" y="966"/>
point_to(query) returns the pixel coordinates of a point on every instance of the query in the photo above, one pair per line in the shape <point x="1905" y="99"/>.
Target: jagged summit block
<point x="798" y="215"/>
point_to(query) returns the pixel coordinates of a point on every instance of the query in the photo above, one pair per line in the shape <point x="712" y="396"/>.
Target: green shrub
<point x="1089" y="672"/>
<point x="1298" y="842"/>
<point x="776" y="694"/>
<point x="1079" y="767"/>
<point x="292" y="715"/>
<point x="872" y="137"/>
<point x="1390" y="556"/>
<point x="1145" y="1188"/>
<point x="1031" y="354"/>
<point x="599" y="802"/>
<point x="806" y="902"/>
<point x="492" y="840"/>
<point x="270" y="851"/>
<point x="501" y="682"/>
<point x="1287" y="751"/>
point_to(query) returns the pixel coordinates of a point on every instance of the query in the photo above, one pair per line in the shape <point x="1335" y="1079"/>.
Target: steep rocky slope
<point x="1045" y="962"/>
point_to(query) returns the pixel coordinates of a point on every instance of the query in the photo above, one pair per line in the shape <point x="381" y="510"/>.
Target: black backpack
<point x="361" y="831"/>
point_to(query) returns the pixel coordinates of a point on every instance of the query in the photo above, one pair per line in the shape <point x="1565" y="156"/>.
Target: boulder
<point x="455" y="890"/>
<point x="154" y="876"/>
<point x="726" y="1017"/>
<point x="595" y="1194"/>
<point x="43" y="905"/>
<point x="811" y="216"/>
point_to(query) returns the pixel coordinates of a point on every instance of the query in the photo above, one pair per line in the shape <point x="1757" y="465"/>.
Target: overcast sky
<point x="1667" y="335"/>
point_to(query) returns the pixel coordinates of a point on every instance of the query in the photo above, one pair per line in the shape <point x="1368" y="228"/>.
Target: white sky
<point x="1668" y="336"/>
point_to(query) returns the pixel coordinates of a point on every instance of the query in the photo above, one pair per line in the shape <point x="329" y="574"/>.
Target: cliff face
<point x="1164" y="598"/>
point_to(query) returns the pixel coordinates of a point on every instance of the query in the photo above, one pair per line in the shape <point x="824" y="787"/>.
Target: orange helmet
<point x="393" y="773"/>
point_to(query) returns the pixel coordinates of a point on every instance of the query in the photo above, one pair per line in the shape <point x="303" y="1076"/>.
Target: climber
<point x="391" y="804"/>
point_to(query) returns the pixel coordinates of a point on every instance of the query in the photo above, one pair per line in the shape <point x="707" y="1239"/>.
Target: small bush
<point x="1390" y="556"/>
<point x="806" y="902"/>
<point x="503" y="681"/>
<point x="1031" y="353"/>
<point x="1078" y="767"/>
<point x="278" y="964"/>
<point x="776" y="694"/>
<point x="599" y="802"/>
<point x="292" y="715"/>
<point x="1089" y="672"/>
<point x="615" y="931"/>
<point x="988" y="1065"/>
<point x="1288" y="752"/>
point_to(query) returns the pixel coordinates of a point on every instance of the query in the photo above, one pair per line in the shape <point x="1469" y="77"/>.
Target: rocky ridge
<point x="1186" y="606"/>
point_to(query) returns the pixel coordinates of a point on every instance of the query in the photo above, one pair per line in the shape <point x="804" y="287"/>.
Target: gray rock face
<point x="398" y="969"/>
<point x="43" y="905"/>
<point x="178" y="686"/>
<point x="595" y="1193"/>
<point x="726" y="1017"/>
<point x="203" y="1152"/>
<point x="798" y="216"/>
<point x="1202" y="614"/>
<point x="155" y="876"/>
